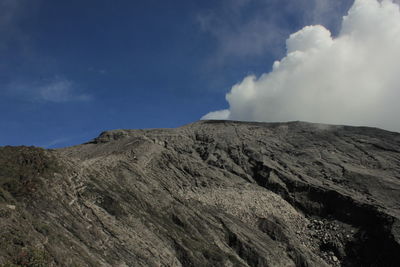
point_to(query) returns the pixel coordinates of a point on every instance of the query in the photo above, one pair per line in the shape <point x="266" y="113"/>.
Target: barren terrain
<point x="212" y="193"/>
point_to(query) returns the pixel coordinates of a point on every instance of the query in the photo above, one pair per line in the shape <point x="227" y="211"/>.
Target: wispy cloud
<point x="16" y="44"/>
<point x="12" y="12"/>
<point x="56" y="91"/>
<point x="9" y="13"/>
<point x="240" y="32"/>
<point x="250" y="28"/>
<point x="98" y="71"/>
<point x="60" y="91"/>
<point x="56" y="142"/>
<point x="8" y="10"/>
<point x="324" y="12"/>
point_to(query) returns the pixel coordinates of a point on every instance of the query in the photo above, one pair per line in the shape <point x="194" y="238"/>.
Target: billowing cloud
<point x="348" y="79"/>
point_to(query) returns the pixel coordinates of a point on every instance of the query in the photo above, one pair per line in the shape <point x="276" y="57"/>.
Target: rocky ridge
<point x="211" y="193"/>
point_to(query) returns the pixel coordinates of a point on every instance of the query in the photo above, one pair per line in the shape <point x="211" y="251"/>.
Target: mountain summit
<point x="211" y="193"/>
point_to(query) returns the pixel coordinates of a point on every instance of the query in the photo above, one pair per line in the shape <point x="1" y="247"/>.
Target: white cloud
<point x="349" y="79"/>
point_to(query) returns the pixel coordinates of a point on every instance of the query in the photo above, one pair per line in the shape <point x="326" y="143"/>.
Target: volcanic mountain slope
<point x="212" y="193"/>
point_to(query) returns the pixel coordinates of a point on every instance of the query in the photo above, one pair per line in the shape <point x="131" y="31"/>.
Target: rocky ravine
<point x="212" y="193"/>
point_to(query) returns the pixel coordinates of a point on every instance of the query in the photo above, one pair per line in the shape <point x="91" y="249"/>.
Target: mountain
<point x="211" y="193"/>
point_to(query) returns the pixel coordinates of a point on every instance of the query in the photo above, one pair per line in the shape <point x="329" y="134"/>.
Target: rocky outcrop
<point x="212" y="193"/>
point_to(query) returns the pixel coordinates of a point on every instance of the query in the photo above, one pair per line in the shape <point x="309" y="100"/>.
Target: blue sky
<point x="71" y="69"/>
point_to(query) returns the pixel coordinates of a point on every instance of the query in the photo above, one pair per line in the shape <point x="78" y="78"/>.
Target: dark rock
<point x="212" y="193"/>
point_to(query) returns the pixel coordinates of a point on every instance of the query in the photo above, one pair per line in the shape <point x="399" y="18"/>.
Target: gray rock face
<point x="212" y="193"/>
